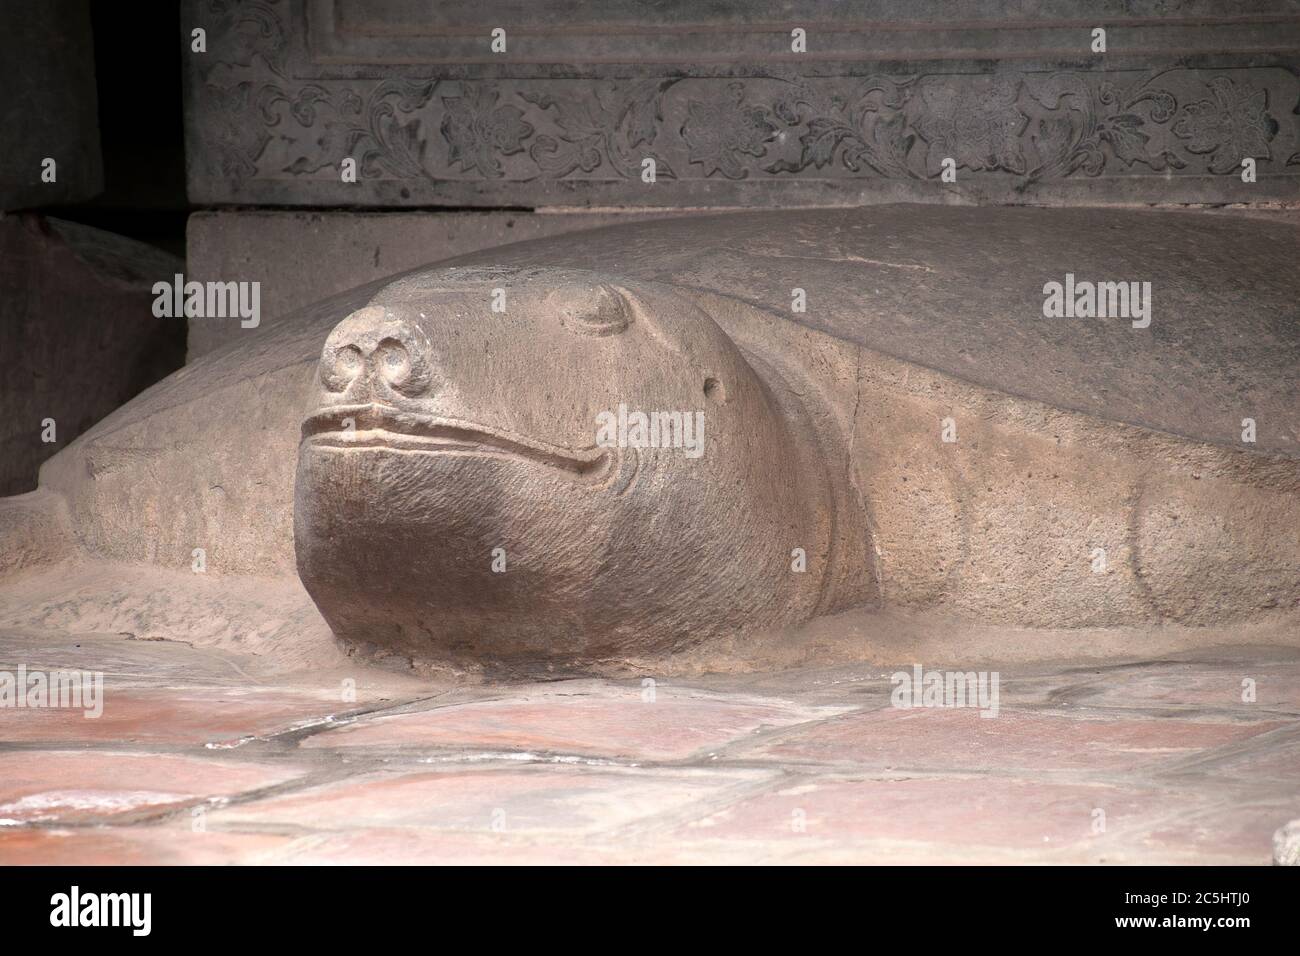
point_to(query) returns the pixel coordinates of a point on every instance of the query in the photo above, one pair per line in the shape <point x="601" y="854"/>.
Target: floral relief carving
<point x="387" y="142"/>
<point x="1082" y="128"/>
<point x="249" y="30"/>
<point x="601" y="127"/>
<point x="1230" y="125"/>
<point x="871" y="131"/>
<point x="478" y="130"/>
<point x="717" y="132"/>
<point x="235" y="136"/>
<point x="976" y="127"/>
<point x="260" y="121"/>
<point x="380" y="131"/>
<point x="1123" y="130"/>
<point x="306" y="107"/>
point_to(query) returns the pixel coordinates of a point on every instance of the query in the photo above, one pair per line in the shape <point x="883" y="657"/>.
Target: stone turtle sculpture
<point x="427" y="455"/>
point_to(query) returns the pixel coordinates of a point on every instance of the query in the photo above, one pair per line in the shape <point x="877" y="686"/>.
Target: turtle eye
<point x="608" y="315"/>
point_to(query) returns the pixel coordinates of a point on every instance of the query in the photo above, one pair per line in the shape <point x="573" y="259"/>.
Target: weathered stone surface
<point x="1073" y="436"/>
<point x="963" y="739"/>
<point x="301" y="257"/>
<point x="219" y="717"/>
<point x="731" y="115"/>
<point x="77" y="327"/>
<point x="661" y="724"/>
<point x="91" y="786"/>
<point x="36" y="532"/>
<point x="1279" y="761"/>
<point x="535" y="799"/>
<point x="136" y="846"/>
<point x="431" y="383"/>
<point x="1286" y="845"/>
<point x="561" y="772"/>
<point x="1246" y="684"/>
<point x="1215" y="834"/>
<point x="914" y="282"/>
<point x="47" y="73"/>
<point x="148" y="603"/>
<point x="1049" y="817"/>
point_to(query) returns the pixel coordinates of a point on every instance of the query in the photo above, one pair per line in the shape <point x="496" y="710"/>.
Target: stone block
<point x="76" y="308"/>
<point x="1023" y="105"/>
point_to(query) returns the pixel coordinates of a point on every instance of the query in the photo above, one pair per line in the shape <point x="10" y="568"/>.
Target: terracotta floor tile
<point x="134" y="846"/>
<point x="1077" y="768"/>
<point x="673" y="727"/>
<point x="1220" y="686"/>
<point x="178" y="715"/>
<point x="535" y="799"/>
<point x="960" y="739"/>
<point x="65" y="786"/>
<point x="950" y="812"/>
<point x="1236" y="832"/>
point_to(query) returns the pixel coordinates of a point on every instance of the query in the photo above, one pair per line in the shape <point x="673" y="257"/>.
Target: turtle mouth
<point x="384" y="427"/>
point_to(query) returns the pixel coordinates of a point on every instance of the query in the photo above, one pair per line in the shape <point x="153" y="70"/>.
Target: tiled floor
<point x="195" y="761"/>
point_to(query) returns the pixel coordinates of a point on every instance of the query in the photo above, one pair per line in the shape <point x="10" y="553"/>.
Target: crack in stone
<point x="915" y="266"/>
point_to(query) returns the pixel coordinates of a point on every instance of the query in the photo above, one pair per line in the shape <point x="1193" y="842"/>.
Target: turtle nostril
<point x="405" y="364"/>
<point x="393" y="361"/>
<point x="372" y="354"/>
<point x="339" y="371"/>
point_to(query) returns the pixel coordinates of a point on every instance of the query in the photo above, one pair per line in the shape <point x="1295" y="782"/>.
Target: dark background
<point x="138" y="49"/>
